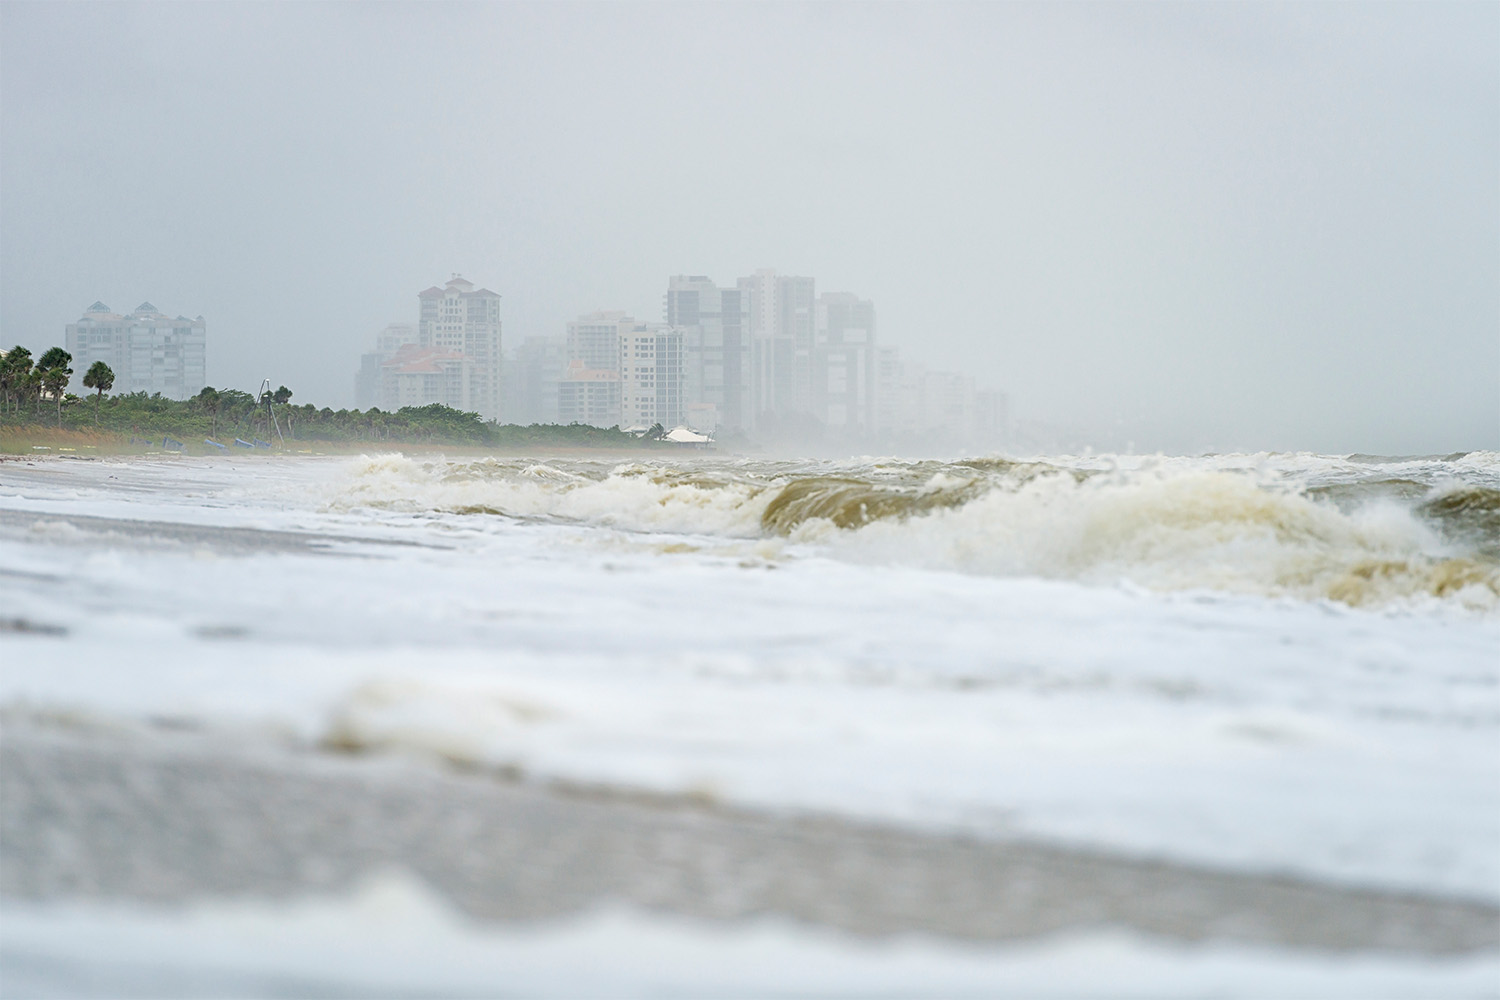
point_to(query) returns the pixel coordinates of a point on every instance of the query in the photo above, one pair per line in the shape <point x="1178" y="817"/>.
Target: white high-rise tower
<point x="462" y="319"/>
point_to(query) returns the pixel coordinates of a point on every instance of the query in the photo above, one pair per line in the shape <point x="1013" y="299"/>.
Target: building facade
<point x="844" y="364"/>
<point x="420" y="376"/>
<point x="652" y="390"/>
<point x="367" y="381"/>
<point x="916" y="405"/>
<point x="782" y="331"/>
<point x="716" y="351"/>
<point x="589" y="396"/>
<point x="594" y="339"/>
<point x="459" y="318"/>
<point x="532" y="373"/>
<point x="147" y="350"/>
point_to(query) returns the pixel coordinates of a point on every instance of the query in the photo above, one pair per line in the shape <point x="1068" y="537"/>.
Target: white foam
<point x="392" y="935"/>
<point x="1238" y="524"/>
<point x="1034" y="694"/>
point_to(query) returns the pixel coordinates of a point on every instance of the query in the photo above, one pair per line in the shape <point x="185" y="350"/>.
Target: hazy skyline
<point x="1247" y="226"/>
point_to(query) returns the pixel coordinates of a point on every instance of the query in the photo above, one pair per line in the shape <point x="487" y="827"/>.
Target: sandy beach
<point x="169" y="817"/>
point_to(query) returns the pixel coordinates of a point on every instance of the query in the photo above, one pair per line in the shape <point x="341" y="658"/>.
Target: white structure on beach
<point x="147" y="350"/>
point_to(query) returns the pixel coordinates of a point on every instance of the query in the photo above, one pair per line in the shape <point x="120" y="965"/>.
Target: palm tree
<point x="101" y="378"/>
<point x="55" y="381"/>
<point x="54" y="357"/>
<point x="31" y="387"/>
<point x="209" y="399"/>
<point x="14" y="368"/>
<point x="55" y="375"/>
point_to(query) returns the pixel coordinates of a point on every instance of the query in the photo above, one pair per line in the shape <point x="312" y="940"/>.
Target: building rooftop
<point x="412" y="359"/>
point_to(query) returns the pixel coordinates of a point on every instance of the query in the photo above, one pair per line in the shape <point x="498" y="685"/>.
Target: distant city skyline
<point x="768" y="357"/>
<point x="1186" y="226"/>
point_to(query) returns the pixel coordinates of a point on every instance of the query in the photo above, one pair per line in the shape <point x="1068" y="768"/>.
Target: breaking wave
<point x="1398" y="532"/>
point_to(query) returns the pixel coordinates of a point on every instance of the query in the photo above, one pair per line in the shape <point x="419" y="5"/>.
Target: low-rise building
<point x="387" y="343"/>
<point x="419" y="376"/>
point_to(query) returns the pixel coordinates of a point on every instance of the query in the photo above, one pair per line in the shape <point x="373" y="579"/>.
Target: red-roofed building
<point x="418" y="376"/>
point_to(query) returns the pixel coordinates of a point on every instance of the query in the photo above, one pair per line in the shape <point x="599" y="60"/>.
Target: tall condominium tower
<point x="651" y="376"/>
<point x="594" y="339"/>
<point x="782" y="310"/>
<point x="844" y="363"/>
<point x="462" y="319"/>
<point x="716" y="349"/>
<point x="147" y="350"/>
<point x="532" y="373"/>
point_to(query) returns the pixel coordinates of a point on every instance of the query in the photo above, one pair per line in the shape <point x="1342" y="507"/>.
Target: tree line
<point x="36" y="393"/>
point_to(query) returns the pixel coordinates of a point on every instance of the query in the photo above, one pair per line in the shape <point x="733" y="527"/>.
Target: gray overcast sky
<point x="1211" y="225"/>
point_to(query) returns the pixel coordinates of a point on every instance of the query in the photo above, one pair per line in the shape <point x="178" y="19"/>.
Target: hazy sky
<point x="1209" y="225"/>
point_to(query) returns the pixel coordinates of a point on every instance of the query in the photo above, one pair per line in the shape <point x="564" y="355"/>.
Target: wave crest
<point x="1372" y="541"/>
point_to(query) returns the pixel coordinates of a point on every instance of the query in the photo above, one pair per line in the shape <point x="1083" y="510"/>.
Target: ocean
<point x="1285" y="666"/>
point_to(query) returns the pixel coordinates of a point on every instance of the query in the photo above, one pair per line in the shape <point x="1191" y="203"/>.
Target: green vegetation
<point x="225" y="414"/>
<point x="101" y="378"/>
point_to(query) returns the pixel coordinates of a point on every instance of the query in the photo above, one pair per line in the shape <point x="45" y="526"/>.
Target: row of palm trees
<point x="25" y="381"/>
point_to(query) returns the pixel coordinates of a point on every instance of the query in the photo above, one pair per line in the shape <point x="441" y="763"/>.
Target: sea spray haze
<point x="1192" y="227"/>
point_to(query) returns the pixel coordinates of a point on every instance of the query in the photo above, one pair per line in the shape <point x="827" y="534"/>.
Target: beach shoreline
<point x="169" y="816"/>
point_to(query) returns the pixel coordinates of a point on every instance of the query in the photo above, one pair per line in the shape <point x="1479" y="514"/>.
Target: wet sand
<point x="172" y="816"/>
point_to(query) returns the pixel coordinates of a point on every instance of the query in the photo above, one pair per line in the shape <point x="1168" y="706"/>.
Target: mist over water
<point x="1173" y="227"/>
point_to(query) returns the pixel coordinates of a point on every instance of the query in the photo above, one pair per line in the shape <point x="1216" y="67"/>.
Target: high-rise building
<point x="147" y="350"/>
<point x="594" y="339"/>
<point x="887" y="396"/>
<point x="782" y="329"/>
<point x="589" y="396"/>
<point x="460" y="318"/>
<point x="992" y="417"/>
<point x="651" y="376"/>
<point x="532" y="373"/>
<point x="949" y="404"/>
<point x="367" y="381"/>
<point x="844" y="363"/>
<point x="716" y="350"/>
<point x="917" y="405"/>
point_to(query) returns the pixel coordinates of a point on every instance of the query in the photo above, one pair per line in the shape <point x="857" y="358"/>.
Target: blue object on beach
<point x="262" y="444"/>
<point x="215" y="444"/>
<point x="172" y="443"/>
<point x="243" y="444"/>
